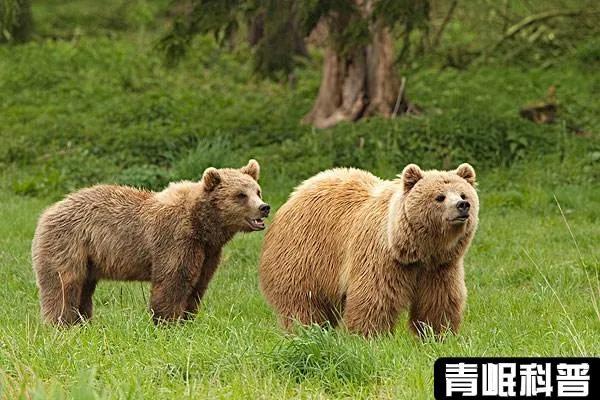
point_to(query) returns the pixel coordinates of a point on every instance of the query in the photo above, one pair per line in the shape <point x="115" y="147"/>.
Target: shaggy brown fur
<point x="172" y="238"/>
<point x="349" y="245"/>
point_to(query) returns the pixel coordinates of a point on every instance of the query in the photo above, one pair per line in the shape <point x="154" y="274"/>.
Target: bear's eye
<point x="440" y="198"/>
<point x="258" y="193"/>
<point x="463" y="196"/>
<point x="241" y="195"/>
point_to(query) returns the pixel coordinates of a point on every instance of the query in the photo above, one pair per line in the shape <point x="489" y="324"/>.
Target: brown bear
<point x="348" y="245"/>
<point x="171" y="238"/>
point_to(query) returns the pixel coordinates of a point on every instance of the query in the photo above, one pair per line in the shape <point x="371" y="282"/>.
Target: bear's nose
<point x="264" y="209"/>
<point x="463" y="206"/>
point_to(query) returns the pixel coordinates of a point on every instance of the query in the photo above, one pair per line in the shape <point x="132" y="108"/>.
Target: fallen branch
<point x="533" y="19"/>
<point x="524" y="23"/>
<point x="400" y="97"/>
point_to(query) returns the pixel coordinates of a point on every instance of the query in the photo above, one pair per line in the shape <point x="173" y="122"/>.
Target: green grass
<point x="532" y="291"/>
<point x="109" y="104"/>
<point x="98" y="105"/>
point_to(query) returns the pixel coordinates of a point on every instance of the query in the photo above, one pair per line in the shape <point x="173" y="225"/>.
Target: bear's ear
<point x="410" y="176"/>
<point x="211" y="179"/>
<point x="466" y="172"/>
<point x="252" y="169"/>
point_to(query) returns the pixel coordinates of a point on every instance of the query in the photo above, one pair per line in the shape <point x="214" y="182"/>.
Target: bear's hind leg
<point x="60" y="295"/>
<point x="60" y="264"/>
<point x="308" y="312"/>
<point x="85" y="302"/>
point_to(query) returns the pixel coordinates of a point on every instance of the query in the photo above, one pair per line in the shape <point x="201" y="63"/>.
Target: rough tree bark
<point x="256" y="32"/>
<point x="360" y="83"/>
<point x="256" y="29"/>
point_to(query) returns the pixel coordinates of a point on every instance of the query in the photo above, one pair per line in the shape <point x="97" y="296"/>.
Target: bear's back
<point x="345" y="181"/>
<point x="104" y="221"/>
<point x="327" y="201"/>
<point x="304" y="245"/>
<point x="100" y="204"/>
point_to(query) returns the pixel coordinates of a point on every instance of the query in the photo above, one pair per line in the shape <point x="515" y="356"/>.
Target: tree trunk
<point x="256" y="29"/>
<point x="256" y="32"/>
<point x="360" y="83"/>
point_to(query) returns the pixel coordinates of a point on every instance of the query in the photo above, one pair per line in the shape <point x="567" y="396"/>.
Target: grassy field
<point x="90" y="101"/>
<point x="533" y="290"/>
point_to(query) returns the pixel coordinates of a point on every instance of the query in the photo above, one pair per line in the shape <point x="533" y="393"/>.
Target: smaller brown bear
<point x="171" y="238"/>
<point x="349" y="247"/>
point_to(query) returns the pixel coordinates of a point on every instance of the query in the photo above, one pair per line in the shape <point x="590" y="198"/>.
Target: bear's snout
<point x="463" y="207"/>
<point x="264" y="209"/>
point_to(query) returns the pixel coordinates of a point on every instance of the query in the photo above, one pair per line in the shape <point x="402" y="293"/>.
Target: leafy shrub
<point x="588" y="53"/>
<point x="144" y="176"/>
<point x="102" y="110"/>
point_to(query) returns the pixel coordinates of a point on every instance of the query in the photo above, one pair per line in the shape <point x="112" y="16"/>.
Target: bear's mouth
<point x="256" y="224"/>
<point x="461" y="219"/>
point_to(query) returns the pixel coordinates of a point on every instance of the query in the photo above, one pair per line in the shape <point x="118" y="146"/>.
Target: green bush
<point x="143" y="176"/>
<point x="588" y="53"/>
<point x="107" y="110"/>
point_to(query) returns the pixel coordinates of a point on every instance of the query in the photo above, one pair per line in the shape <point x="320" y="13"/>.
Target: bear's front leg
<point x="168" y="299"/>
<point x="377" y="295"/>
<point x="374" y="300"/>
<point x="209" y="267"/>
<point x="172" y="286"/>
<point x="367" y="315"/>
<point x="439" y="300"/>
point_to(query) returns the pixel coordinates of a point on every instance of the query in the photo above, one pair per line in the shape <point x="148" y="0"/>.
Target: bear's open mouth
<point x="256" y="224"/>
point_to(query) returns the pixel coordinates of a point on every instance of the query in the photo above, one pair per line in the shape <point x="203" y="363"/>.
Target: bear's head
<point x="236" y="196"/>
<point x="437" y="211"/>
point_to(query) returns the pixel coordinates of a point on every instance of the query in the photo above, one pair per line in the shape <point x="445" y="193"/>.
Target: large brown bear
<point x="348" y="245"/>
<point x="172" y="238"/>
